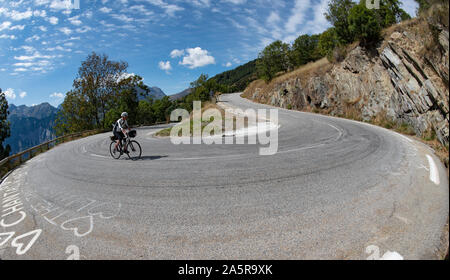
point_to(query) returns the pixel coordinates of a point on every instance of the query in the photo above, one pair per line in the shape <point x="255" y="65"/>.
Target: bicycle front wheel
<point x="134" y="150"/>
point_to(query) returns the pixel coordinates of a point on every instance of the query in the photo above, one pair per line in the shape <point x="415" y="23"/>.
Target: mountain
<point x="155" y="92"/>
<point x="239" y="78"/>
<point x="180" y="94"/>
<point x="30" y="126"/>
<point x="39" y="112"/>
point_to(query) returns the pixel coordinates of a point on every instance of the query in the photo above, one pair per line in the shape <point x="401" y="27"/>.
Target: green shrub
<point x="363" y="23"/>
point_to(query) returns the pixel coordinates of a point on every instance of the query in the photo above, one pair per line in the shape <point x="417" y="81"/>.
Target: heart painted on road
<point x="21" y="249"/>
<point x="3" y="239"/>
<point x="81" y="226"/>
<point x="105" y="210"/>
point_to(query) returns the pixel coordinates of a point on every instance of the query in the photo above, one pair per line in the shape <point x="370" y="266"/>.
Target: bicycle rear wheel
<point x="134" y="150"/>
<point x="115" y="155"/>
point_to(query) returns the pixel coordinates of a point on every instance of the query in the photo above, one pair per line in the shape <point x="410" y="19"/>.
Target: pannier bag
<point x="132" y="133"/>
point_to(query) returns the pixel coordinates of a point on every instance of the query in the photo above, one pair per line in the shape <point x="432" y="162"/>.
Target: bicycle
<point x="133" y="148"/>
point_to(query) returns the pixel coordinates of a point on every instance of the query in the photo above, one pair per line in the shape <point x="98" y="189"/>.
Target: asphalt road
<point x="336" y="189"/>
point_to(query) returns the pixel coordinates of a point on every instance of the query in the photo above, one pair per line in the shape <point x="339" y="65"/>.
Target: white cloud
<point x="297" y="16"/>
<point x="105" y="10"/>
<point x="53" y="20"/>
<point x="273" y="18"/>
<point x="11" y="37"/>
<point x="36" y="55"/>
<point x="66" y="30"/>
<point x="5" y="25"/>
<point x="41" y="13"/>
<point x="170" y="9"/>
<point x="165" y="66"/>
<point x="41" y="2"/>
<point x="61" y="5"/>
<point x="17" y="27"/>
<point x="236" y="2"/>
<point x="83" y="29"/>
<point x="176" y="53"/>
<point x="75" y="20"/>
<point x="23" y="64"/>
<point x="43" y="28"/>
<point x="15" y="15"/>
<point x="9" y="93"/>
<point x="318" y="23"/>
<point x="197" y="58"/>
<point x="32" y="38"/>
<point x="22" y="94"/>
<point x="122" y="17"/>
<point x="57" y="95"/>
<point x="237" y="24"/>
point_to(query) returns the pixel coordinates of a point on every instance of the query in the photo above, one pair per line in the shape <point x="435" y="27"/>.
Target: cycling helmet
<point x="124" y="114"/>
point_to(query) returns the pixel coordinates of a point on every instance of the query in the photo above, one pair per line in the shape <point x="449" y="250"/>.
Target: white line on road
<point x="95" y="155"/>
<point x="434" y="174"/>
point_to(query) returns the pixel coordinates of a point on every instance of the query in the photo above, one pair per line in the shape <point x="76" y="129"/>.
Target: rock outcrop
<point x="405" y="79"/>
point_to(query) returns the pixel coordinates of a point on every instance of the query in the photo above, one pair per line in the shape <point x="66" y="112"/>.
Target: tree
<point x="273" y="59"/>
<point x="423" y="6"/>
<point x="327" y="42"/>
<point x="145" y="112"/>
<point x="337" y="15"/>
<point x="304" y="49"/>
<point x="364" y="24"/>
<point x="97" y="80"/>
<point x="4" y="126"/>
<point x="389" y="12"/>
<point x="93" y="95"/>
<point x="75" y="114"/>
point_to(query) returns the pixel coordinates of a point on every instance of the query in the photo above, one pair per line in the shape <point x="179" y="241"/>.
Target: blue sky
<point x="167" y="42"/>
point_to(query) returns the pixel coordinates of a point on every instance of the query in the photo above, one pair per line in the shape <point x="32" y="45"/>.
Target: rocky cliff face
<point x="30" y="126"/>
<point x="404" y="79"/>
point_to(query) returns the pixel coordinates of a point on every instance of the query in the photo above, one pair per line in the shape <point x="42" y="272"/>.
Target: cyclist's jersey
<point x="121" y="124"/>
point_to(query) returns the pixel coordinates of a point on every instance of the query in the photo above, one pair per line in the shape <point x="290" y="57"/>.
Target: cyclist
<point x="121" y="129"/>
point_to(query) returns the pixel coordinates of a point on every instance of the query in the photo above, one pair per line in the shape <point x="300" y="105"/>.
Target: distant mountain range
<point x="180" y="94"/>
<point x="30" y="126"/>
<point x="155" y="93"/>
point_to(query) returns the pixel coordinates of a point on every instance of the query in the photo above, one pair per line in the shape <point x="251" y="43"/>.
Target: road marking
<point x="374" y="254"/>
<point x="434" y="174"/>
<point x="77" y="223"/>
<point x="391" y="256"/>
<point x="4" y="240"/>
<point x="95" y="155"/>
<point x="423" y="167"/>
<point x="21" y="248"/>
